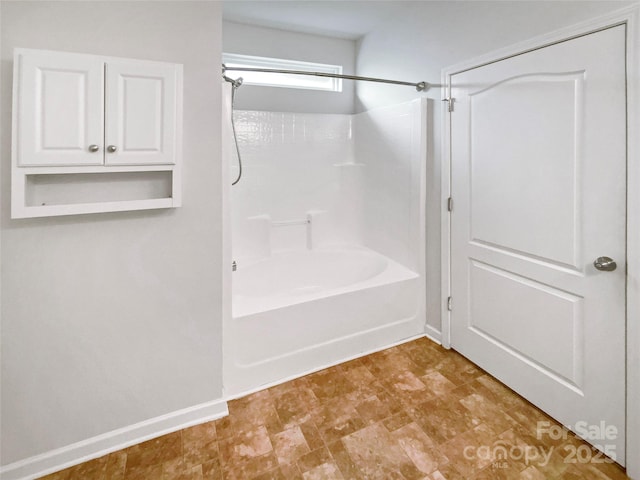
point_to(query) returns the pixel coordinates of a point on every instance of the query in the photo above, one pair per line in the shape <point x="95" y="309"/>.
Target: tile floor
<point x="408" y="412"/>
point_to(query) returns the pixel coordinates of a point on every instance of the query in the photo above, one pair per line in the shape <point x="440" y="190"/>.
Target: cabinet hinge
<point x="449" y="303"/>
<point x="449" y="101"/>
<point x="449" y="204"/>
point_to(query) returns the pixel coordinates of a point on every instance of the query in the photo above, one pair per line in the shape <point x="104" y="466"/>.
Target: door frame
<point x="630" y="16"/>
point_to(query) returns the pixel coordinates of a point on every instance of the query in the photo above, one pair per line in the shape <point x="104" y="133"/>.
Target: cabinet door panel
<point x="141" y="113"/>
<point x="60" y="100"/>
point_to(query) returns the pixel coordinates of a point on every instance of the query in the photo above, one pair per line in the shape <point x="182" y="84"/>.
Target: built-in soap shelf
<point x="348" y="164"/>
<point x="304" y="232"/>
<point x="288" y="223"/>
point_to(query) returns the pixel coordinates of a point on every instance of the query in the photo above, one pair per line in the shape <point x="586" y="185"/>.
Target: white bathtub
<point x="299" y="311"/>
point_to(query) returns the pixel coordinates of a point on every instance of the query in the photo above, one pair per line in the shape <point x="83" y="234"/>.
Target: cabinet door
<point x="59" y="102"/>
<point x="141" y="113"/>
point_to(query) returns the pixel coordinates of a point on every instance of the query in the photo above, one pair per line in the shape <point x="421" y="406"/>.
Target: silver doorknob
<point x="605" y="264"/>
<point x="94" y="148"/>
<point x="111" y="148"/>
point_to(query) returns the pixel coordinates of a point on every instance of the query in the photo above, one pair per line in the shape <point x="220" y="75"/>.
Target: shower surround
<point x="327" y="226"/>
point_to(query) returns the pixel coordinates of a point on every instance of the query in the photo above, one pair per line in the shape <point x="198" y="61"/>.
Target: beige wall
<point x="112" y="319"/>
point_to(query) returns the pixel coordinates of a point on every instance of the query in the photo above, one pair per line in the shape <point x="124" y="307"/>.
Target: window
<point x="282" y="79"/>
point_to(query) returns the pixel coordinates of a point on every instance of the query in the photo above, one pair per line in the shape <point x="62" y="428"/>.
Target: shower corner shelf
<point x="121" y="152"/>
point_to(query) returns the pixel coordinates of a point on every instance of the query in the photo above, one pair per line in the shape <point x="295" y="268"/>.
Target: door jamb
<point x="630" y="16"/>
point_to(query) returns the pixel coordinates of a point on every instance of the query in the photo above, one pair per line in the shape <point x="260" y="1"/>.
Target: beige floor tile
<point x="290" y="445"/>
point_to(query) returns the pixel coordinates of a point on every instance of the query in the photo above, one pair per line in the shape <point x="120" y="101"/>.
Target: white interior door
<point x="140" y="113"/>
<point x="61" y="104"/>
<point x="538" y="155"/>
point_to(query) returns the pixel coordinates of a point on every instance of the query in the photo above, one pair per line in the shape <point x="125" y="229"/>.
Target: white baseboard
<point x="432" y="334"/>
<point x="95" y="447"/>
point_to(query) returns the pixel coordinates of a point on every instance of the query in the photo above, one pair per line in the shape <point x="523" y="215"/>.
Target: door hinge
<point x="449" y="101"/>
<point x="449" y="303"/>
<point x="449" y="204"/>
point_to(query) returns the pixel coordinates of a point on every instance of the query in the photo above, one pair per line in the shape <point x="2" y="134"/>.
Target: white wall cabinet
<point x="59" y="109"/>
<point x="140" y="113"/>
<point x="77" y="117"/>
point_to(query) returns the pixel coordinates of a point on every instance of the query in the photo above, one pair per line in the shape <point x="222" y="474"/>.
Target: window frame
<point x="295" y="81"/>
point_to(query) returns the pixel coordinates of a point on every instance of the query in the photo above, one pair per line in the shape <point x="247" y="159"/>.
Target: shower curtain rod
<point x="420" y="86"/>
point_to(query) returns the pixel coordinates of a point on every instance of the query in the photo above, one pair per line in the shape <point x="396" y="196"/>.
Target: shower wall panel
<point x="390" y="143"/>
<point x="289" y="174"/>
<point x="358" y="178"/>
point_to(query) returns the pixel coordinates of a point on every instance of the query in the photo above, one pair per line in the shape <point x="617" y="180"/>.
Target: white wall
<point x="428" y="36"/>
<point x="270" y="42"/>
<point x="112" y="319"/>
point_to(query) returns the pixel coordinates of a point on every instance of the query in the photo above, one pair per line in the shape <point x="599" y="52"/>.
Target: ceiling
<point x="349" y="19"/>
